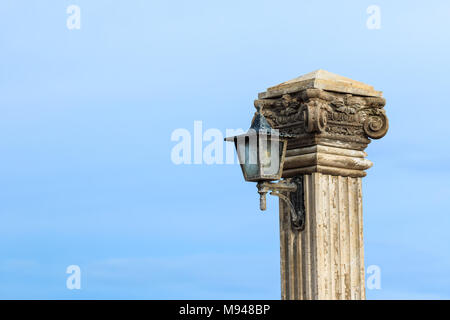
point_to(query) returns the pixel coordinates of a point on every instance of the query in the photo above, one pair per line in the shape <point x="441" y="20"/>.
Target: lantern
<point x="261" y="151"/>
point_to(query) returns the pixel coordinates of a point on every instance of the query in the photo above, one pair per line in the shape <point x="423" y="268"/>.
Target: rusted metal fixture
<point x="261" y="152"/>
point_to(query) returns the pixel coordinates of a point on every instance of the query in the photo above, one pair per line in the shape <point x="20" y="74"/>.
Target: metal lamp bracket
<point x="291" y="192"/>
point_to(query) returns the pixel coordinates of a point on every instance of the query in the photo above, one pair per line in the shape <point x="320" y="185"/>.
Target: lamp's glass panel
<point x="271" y="152"/>
<point x="247" y="150"/>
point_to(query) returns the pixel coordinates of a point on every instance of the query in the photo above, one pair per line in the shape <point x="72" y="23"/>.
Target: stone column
<point x="333" y="119"/>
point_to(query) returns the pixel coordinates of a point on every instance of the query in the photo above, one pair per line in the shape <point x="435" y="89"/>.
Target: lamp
<point x="261" y="152"/>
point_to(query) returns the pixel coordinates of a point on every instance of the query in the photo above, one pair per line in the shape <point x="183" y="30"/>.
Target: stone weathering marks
<point x="332" y="120"/>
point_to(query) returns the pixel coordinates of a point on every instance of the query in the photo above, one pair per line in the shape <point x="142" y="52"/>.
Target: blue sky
<point x="86" y="118"/>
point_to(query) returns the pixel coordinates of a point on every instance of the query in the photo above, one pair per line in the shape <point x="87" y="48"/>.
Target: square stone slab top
<point x="321" y="79"/>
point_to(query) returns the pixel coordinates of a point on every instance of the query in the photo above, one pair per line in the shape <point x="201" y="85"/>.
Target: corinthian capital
<point x="326" y="110"/>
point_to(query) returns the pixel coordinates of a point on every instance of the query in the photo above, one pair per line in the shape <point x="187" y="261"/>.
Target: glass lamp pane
<point x="270" y="155"/>
<point x="248" y="157"/>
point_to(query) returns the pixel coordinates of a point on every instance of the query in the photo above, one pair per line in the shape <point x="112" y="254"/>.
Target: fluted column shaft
<point x="326" y="260"/>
